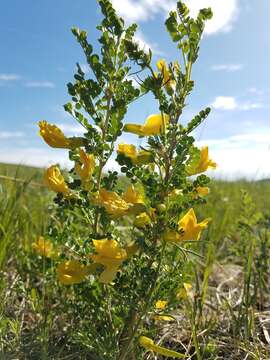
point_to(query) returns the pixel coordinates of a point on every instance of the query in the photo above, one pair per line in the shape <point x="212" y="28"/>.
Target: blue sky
<point x="39" y="53"/>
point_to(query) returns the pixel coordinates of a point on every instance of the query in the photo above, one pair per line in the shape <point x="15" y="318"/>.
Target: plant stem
<point x="102" y="162"/>
<point x="145" y="308"/>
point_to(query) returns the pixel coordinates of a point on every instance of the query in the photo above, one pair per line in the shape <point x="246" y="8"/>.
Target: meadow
<point x="153" y="261"/>
<point x="230" y="288"/>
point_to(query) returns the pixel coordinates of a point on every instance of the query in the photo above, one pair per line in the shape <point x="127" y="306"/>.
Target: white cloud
<point x="10" y="134"/>
<point x="225" y="11"/>
<point x="224" y="103"/>
<point x="229" y="103"/>
<point x="251" y="106"/>
<point x="72" y="129"/>
<point x="135" y="81"/>
<point x="9" y="77"/>
<point x="34" y="156"/>
<point x="242" y="155"/>
<point x="227" y="67"/>
<point x="141" y="10"/>
<point x="112" y="165"/>
<point x="43" y="157"/>
<point x="255" y="91"/>
<point x="40" y="84"/>
<point x="146" y="45"/>
<point x="143" y="44"/>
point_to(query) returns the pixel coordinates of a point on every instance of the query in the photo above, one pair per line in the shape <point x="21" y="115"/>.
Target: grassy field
<point x="230" y="288"/>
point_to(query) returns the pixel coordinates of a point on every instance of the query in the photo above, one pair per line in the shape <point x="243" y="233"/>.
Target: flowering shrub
<point x="125" y="250"/>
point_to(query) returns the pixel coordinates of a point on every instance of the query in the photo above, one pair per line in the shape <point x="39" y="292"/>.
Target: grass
<point x="225" y="316"/>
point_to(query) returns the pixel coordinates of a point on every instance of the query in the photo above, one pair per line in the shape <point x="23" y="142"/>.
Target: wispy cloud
<point x="32" y="156"/>
<point x="71" y="129"/>
<point x="241" y="155"/>
<point x="226" y="103"/>
<point x="141" y="10"/>
<point x="40" y="84"/>
<point x="145" y="45"/>
<point x="254" y="90"/>
<point x="43" y="157"/>
<point x="225" y="11"/>
<point x="11" y="134"/>
<point x="9" y="77"/>
<point x="227" y="67"/>
<point x="250" y="106"/>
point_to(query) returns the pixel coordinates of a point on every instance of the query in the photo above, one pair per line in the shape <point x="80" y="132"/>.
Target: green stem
<point x="145" y="308"/>
<point x="102" y="162"/>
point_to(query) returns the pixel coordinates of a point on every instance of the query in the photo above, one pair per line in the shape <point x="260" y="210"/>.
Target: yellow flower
<point x="167" y="81"/>
<point x="202" y="190"/>
<point x="142" y="220"/>
<point x="55" y="138"/>
<point x="185" y="292"/>
<point x="110" y="255"/>
<point x="149" y="344"/>
<point x="55" y="180"/>
<point x="161" y="304"/>
<point x="128" y="150"/>
<point x="86" y="166"/>
<point x="71" y="272"/>
<point x="112" y="202"/>
<point x="154" y="125"/>
<point x="132" y="196"/>
<point x="190" y="228"/>
<point x="137" y="158"/>
<point x="204" y="162"/>
<point x="44" y="247"/>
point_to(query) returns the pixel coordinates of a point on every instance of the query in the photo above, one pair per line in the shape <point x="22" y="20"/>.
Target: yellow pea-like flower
<point x="129" y="150"/>
<point x="112" y="202"/>
<point x="71" y="272"/>
<point x="189" y="227"/>
<point x="185" y="292"/>
<point x="55" y="138"/>
<point x="149" y="344"/>
<point x="55" y="180"/>
<point x="204" y="163"/>
<point x="132" y="196"/>
<point x="137" y="157"/>
<point x="154" y="125"/>
<point x="161" y="305"/>
<point x="86" y="166"/>
<point x="110" y="255"/>
<point x="202" y="190"/>
<point x="167" y="81"/>
<point x="44" y="248"/>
